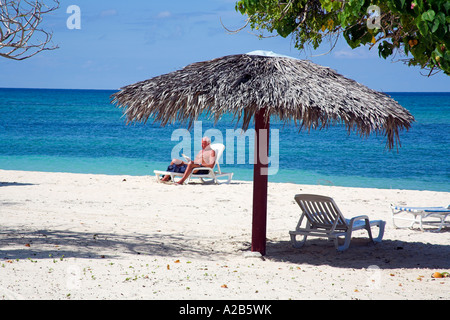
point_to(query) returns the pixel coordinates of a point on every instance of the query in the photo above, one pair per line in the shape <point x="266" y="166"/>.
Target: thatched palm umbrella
<point x="259" y="86"/>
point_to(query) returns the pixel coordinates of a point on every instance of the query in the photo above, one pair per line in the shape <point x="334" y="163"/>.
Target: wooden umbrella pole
<point x="260" y="169"/>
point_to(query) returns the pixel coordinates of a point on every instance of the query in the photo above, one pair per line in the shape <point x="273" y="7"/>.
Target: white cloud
<point x="345" y="54"/>
<point x="358" y="53"/>
<point x="88" y="64"/>
<point x="108" y="13"/>
<point x="164" y="14"/>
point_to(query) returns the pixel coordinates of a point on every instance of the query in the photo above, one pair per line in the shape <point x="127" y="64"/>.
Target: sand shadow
<point x="58" y="244"/>
<point x="11" y="184"/>
<point x="389" y="254"/>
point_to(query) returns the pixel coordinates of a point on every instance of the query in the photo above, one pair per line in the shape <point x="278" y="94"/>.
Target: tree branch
<point x="20" y="34"/>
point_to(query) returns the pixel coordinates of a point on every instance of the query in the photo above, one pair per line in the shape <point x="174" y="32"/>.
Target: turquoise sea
<point x="80" y="131"/>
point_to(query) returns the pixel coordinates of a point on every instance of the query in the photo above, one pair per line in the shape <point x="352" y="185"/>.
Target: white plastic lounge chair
<point x="430" y="216"/>
<point x="212" y="174"/>
<point x="324" y="219"/>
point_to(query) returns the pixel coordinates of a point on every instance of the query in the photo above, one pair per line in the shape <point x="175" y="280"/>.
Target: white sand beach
<point x="84" y="236"/>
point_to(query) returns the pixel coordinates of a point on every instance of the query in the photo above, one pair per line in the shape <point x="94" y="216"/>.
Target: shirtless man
<point x="205" y="158"/>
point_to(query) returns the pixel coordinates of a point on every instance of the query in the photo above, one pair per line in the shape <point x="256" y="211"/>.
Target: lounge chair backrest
<point x="218" y="148"/>
<point x="321" y="211"/>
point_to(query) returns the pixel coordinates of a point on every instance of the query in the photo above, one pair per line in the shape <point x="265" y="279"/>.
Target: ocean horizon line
<point x="93" y="89"/>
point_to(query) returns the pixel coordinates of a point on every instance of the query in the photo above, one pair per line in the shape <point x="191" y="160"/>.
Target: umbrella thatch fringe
<point x="312" y="96"/>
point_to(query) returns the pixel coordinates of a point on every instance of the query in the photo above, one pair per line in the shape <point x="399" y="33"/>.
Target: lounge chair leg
<point x="413" y="221"/>
<point x="369" y="230"/>
<point x="441" y="225"/>
<point x="297" y="244"/>
<point x="341" y="248"/>
<point x="380" y="226"/>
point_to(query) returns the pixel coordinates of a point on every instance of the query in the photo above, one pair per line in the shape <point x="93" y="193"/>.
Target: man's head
<point x="206" y="141"/>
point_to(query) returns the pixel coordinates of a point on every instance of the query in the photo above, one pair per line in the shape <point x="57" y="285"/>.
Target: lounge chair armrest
<point x="352" y="221"/>
<point x="362" y="217"/>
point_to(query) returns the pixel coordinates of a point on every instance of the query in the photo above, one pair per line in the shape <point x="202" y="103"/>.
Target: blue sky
<point x="122" y="42"/>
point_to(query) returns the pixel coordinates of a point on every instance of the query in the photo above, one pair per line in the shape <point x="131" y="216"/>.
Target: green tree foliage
<point x="417" y="30"/>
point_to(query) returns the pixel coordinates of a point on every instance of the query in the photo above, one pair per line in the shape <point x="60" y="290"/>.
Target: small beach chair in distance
<point x="424" y="216"/>
<point x="324" y="219"/>
<point x="212" y="174"/>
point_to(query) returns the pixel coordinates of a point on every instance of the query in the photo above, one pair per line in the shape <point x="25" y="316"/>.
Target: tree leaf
<point x="441" y="17"/>
<point x="423" y="28"/>
<point x="428" y="15"/>
<point x="435" y="26"/>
